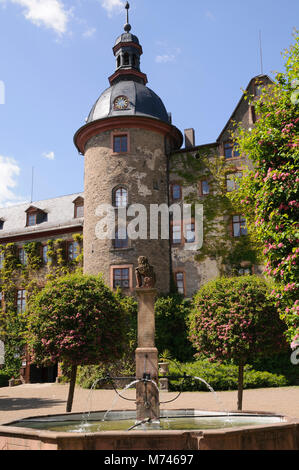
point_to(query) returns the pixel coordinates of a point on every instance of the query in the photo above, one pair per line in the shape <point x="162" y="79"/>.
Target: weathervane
<point x="127" y="26"/>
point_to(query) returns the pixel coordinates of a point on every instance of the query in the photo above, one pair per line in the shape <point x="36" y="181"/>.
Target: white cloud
<point x="163" y="59"/>
<point x="112" y="6"/>
<point x="49" y="155"/>
<point x="49" y="13"/>
<point x="9" y="171"/>
<point x="89" y="33"/>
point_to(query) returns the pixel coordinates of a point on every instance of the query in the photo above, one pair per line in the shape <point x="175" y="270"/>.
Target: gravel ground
<point x="47" y="399"/>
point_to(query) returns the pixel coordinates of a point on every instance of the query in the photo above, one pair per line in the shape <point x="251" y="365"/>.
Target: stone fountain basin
<point x="275" y="432"/>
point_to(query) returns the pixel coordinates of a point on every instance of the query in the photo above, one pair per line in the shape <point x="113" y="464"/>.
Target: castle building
<point x="129" y="144"/>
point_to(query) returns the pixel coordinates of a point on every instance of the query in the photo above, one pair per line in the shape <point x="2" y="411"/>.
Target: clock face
<point x="121" y="102"/>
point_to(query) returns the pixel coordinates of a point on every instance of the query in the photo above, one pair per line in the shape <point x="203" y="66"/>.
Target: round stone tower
<point x="126" y="142"/>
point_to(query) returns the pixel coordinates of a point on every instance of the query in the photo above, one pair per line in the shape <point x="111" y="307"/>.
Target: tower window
<point x="126" y="59"/>
<point x="121" y="278"/>
<point x="120" y="197"/>
<point x="120" y="143"/>
<point x="121" y="238"/>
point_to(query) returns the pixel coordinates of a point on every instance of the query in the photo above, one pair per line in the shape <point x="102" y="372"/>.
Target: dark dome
<point x="141" y="101"/>
<point x="127" y="37"/>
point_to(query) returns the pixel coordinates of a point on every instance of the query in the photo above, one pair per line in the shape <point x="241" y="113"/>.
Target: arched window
<point x="126" y="59"/>
<point x="118" y="61"/>
<point x="121" y="238"/>
<point x="120" y="197"/>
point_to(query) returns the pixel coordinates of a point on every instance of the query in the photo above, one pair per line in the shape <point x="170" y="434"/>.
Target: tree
<point x="268" y="195"/>
<point x="77" y="320"/>
<point x="234" y="320"/>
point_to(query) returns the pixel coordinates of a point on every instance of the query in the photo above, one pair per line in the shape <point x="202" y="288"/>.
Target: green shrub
<point x="4" y="378"/>
<point x="280" y="364"/>
<point x="221" y="377"/>
<point x="88" y="375"/>
<point x="171" y="314"/>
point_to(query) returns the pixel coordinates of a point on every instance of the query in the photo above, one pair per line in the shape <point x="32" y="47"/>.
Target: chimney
<point x="189" y="138"/>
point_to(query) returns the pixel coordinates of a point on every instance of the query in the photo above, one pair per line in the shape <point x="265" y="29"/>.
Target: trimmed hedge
<point x="221" y="377"/>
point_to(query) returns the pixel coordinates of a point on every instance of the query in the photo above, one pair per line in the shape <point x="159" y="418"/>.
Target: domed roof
<point x="140" y="101"/>
<point x="127" y="37"/>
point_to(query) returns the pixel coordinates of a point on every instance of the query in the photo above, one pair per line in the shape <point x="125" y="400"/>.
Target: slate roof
<point x="60" y="212"/>
<point x="142" y="102"/>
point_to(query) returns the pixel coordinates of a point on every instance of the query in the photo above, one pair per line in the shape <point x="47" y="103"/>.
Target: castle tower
<point x="126" y="142"/>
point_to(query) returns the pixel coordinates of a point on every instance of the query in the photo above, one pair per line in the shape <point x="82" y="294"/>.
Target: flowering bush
<point x="234" y="319"/>
<point x="75" y="319"/>
<point x="268" y="196"/>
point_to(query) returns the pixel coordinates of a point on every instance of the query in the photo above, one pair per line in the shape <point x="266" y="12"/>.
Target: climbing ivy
<point x="30" y="276"/>
<point x="218" y="209"/>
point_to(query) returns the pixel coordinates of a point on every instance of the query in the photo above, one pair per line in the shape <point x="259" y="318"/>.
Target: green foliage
<point x="235" y="319"/>
<point x="34" y="259"/>
<point x="171" y="313"/>
<point x="268" y="196"/>
<point x="87" y="376"/>
<point x="221" y="377"/>
<point x="76" y="319"/>
<point x="278" y="363"/>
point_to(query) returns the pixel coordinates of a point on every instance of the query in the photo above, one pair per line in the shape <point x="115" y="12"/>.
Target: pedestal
<point x="147" y="393"/>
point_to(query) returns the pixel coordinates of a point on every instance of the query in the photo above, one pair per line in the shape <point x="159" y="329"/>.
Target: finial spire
<point x="127" y="26"/>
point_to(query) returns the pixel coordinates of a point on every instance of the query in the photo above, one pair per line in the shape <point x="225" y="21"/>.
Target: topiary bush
<point x="78" y="320"/>
<point x="235" y="320"/>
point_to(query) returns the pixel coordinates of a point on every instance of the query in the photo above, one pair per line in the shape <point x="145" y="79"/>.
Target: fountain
<point x="149" y="428"/>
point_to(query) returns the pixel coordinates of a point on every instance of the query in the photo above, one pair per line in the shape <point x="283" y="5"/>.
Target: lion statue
<point x="145" y="275"/>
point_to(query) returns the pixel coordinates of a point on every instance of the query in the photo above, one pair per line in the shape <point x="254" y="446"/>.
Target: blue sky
<point x="56" y="56"/>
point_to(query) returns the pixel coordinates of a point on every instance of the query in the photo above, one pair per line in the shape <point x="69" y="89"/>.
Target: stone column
<point x="147" y="393"/>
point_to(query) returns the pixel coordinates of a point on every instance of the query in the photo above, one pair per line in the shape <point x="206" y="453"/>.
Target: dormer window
<point x="78" y="207"/>
<point x="35" y="216"/>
